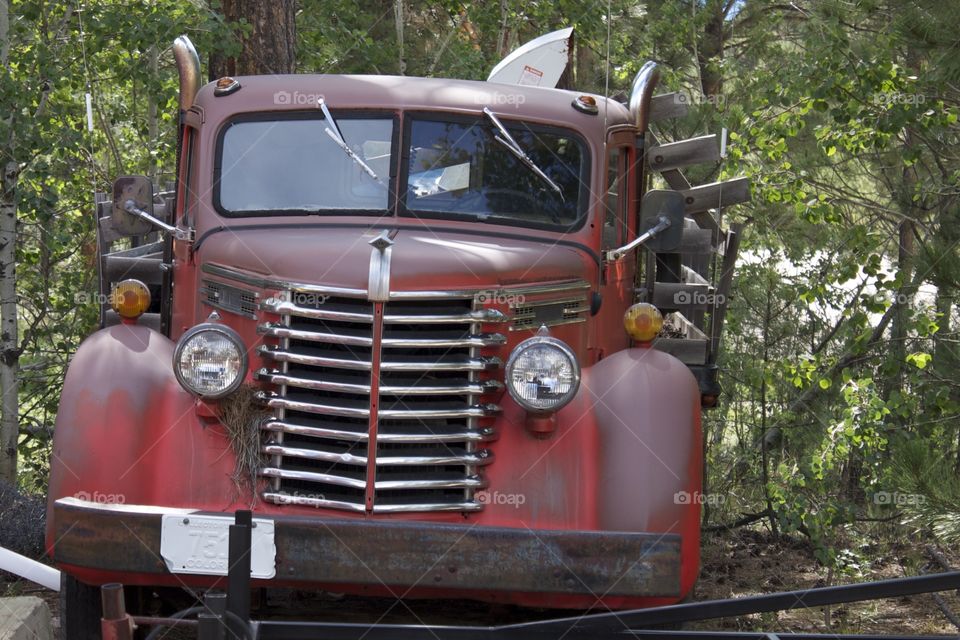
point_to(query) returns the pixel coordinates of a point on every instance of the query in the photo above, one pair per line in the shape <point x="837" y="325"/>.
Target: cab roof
<point x="300" y="92"/>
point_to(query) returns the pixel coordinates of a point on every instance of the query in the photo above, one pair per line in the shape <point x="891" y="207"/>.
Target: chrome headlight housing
<point x="210" y="360"/>
<point x="542" y="374"/>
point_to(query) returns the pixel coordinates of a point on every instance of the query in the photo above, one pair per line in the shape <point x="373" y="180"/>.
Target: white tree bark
<point x="9" y="333"/>
<point x="398" y="23"/>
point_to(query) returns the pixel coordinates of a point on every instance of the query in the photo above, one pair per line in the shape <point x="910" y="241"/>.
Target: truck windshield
<point x="293" y="166"/>
<point x="458" y="169"/>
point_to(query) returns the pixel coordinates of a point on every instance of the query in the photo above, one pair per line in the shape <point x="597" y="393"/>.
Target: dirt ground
<point x="733" y="564"/>
<point x="747" y="562"/>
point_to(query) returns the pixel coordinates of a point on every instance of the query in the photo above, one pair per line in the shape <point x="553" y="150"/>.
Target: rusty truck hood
<point x="420" y="260"/>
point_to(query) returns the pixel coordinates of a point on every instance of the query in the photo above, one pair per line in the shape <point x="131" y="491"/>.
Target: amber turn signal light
<point x="643" y="322"/>
<point x="130" y="299"/>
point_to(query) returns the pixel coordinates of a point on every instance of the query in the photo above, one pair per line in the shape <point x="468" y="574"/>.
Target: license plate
<point x="199" y="545"/>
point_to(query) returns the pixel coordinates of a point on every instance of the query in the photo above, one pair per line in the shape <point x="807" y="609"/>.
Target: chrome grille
<point x="378" y="406"/>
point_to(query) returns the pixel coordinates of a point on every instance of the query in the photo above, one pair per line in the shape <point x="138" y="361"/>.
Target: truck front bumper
<point x="105" y="540"/>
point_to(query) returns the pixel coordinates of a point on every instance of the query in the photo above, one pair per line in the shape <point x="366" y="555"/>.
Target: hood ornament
<point x="378" y="282"/>
<point x="382" y="241"/>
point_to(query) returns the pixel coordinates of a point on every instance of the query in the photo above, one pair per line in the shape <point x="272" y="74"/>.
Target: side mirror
<point x="139" y="189"/>
<point x="658" y="205"/>
<point x="661" y="224"/>
<point x="132" y="212"/>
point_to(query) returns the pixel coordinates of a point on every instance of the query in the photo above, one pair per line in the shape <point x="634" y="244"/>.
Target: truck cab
<point x="408" y="323"/>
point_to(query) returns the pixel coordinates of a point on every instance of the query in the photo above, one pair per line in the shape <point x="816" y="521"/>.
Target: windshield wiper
<point x="507" y="140"/>
<point x="334" y="132"/>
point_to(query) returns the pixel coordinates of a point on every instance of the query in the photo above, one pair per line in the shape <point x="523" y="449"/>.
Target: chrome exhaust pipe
<point x="188" y="68"/>
<point x="641" y="92"/>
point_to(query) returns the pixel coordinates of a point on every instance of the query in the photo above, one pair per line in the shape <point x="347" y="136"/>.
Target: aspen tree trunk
<point x="9" y="334"/>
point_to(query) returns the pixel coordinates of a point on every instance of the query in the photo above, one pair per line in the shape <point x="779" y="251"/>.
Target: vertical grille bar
<point x="370" y="495"/>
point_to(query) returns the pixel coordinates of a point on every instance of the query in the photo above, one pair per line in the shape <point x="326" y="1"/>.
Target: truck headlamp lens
<point x="542" y="374"/>
<point x="210" y="361"/>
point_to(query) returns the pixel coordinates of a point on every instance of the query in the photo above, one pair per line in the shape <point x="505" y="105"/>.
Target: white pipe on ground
<point x="29" y="569"/>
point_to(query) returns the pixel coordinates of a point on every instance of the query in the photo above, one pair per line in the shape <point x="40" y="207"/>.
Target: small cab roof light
<point x="586" y="104"/>
<point x="130" y="299"/>
<point x="225" y="86"/>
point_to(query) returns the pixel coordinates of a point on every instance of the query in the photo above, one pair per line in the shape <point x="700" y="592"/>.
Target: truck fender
<point x="647" y="407"/>
<point x="126" y="431"/>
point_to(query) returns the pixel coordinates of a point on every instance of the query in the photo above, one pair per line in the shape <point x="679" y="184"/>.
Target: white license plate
<point x="199" y="544"/>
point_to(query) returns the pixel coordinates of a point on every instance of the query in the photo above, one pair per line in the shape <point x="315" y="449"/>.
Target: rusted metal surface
<point x="115" y="624"/>
<point x="464" y="557"/>
<point x="112" y="540"/>
<point x="333" y="551"/>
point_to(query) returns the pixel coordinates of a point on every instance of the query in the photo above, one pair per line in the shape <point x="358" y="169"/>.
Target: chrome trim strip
<point x="312" y="454"/>
<point x="404" y="508"/>
<point x="514" y="327"/>
<point x="473" y="388"/>
<point x="483" y="363"/>
<point x="276" y="377"/>
<point x="479" y="340"/>
<point x="471" y="482"/>
<point x="283" y="307"/>
<point x="280" y="355"/>
<point x="476" y="411"/>
<point x="270" y="283"/>
<point x="484" y="434"/>
<point x="276" y="402"/>
<point x="572" y="285"/>
<point x="264" y="282"/>
<point x="482" y="457"/>
<point x="311" y="476"/>
<point x="287" y="499"/>
<point x="281" y="331"/>
<point x="482" y="315"/>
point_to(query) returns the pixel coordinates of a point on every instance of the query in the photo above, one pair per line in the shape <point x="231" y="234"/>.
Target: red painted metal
<point x="618" y="455"/>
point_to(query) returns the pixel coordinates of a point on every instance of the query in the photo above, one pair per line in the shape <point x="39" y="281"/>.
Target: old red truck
<point x="398" y="318"/>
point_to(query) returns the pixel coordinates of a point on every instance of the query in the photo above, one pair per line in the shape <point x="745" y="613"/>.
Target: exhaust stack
<point x="188" y="68"/>
<point x="641" y="92"/>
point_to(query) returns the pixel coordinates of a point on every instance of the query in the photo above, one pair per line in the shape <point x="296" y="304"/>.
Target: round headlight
<point x="542" y="374"/>
<point x="210" y="360"/>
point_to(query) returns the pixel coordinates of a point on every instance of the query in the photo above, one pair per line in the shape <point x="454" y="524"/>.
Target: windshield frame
<point x="586" y="165"/>
<point x="317" y="115"/>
